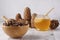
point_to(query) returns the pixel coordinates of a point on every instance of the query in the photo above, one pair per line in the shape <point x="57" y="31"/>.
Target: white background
<point x="10" y="8"/>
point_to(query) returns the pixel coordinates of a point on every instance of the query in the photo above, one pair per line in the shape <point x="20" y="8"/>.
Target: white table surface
<point x="33" y="34"/>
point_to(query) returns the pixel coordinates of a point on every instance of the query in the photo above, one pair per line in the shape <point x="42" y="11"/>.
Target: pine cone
<point x="27" y="15"/>
<point x="18" y="16"/>
<point x="54" y="24"/>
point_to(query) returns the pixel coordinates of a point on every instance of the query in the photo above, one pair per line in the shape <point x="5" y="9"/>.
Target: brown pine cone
<point x="32" y="19"/>
<point x="27" y="15"/>
<point x="18" y="16"/>
<point x="54" y="24"/>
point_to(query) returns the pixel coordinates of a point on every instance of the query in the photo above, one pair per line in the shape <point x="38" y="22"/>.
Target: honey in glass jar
<point x="42" y="22"/>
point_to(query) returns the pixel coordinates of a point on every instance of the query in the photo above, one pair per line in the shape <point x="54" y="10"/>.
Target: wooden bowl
<point x="15" y="31"/>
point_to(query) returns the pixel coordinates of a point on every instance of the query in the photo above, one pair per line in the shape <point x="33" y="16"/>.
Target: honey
<point x="42" y="23"/>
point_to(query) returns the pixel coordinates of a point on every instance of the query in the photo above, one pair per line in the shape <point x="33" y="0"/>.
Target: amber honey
<point x="42" y="23"/>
